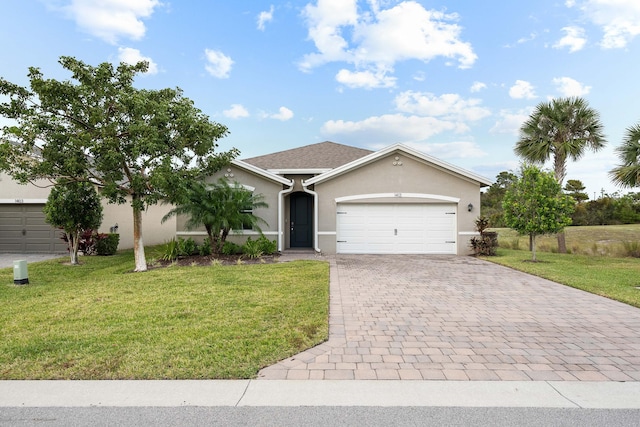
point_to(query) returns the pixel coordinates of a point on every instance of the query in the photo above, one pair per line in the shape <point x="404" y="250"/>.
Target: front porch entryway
<point x="301" y="220"/>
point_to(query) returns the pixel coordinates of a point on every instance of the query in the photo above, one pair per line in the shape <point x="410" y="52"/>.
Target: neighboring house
<point x="339" y="199"/>
<point x="23" y="228"/>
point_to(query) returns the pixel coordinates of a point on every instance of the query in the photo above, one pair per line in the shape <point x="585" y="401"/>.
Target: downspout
<point x="281" y="195"/>
<point x="315" y="216"/>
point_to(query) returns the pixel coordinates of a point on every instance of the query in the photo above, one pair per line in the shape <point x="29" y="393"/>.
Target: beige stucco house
<point x="23" y="228"/>
<point x="335" y="198"/>
<point x="328" y="197"/>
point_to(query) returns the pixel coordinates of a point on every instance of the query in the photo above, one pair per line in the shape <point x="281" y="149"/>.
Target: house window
<point x="248" y="209"/>
<point x="246" y="226"/>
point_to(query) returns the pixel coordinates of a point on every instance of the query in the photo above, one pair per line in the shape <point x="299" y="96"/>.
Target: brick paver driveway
<point x="459" y="318"/>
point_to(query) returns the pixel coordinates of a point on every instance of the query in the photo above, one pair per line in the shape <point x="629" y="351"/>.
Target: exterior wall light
<point x="470" y="207"/>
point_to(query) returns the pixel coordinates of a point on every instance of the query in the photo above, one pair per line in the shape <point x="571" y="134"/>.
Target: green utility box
<point x="20" y="274"/>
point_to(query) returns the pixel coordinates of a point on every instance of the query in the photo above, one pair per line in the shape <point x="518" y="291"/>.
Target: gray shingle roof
<point x="323" y="155"/>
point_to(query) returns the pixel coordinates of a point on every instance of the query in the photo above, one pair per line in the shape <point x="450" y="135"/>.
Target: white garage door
<point x="396" y="228"/>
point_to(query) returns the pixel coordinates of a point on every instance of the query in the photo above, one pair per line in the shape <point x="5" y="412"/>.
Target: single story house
<point x="340" y="199"/>
<point x="23" y="228"/>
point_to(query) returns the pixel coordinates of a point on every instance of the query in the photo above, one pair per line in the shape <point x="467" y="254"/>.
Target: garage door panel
<point x="23" y="229"/>
<point x="396" y="228"/>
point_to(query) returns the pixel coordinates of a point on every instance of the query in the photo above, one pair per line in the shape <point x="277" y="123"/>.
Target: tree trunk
<point x="138" y="245"/>
<point x="73" y="240"/>
<point x="533" y="247"/>
<point x="562" y="244"/>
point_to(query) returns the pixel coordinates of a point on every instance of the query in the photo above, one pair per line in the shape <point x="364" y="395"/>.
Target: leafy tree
<point x="74" y="207"/>
<point x="491" y="200"/>
<point x="575" y="188"/>
<point x="536" y="205"/>
<point x="220" y="208"/>
<point x="627" y="174"/>
<point x="561" y="129"/>
<point x="136" y="145"/>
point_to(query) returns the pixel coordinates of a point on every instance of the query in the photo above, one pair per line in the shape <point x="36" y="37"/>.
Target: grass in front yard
<point x="615" y="278"/>
<point x="99" y="321"/>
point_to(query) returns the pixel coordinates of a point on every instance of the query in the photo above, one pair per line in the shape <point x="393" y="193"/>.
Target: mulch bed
<point x="208" y="260"/>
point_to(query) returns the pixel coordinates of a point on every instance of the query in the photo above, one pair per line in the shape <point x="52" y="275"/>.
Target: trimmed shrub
<point x="107" y="244"/>
<point x="187" y="247"/>
<point x="268" y="247"/>
<point x="230" y="248"/>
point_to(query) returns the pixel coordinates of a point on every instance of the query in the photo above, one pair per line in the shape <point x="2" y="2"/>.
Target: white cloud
<point x="570" y="87"/>
<point x="574" y="39"/>
<point x="448" y="106"/>
<point x="373" y="41"/>
<point x="391" y="128"/>
<point x="283" y="114"/>
<point x="477" y="87"/>
<point x="365" y="79"/>
<point x="450" y="150"/>
<point x="522" y="90"/>
<point x="509" y="122"/>
<point x="237" y="111"/>
<point x="111" y="20"/>
<point x="218" y="64"/>
<point x="265" y="17"/>
<point x="619" y="20"/>
<point x="133" y="56"/>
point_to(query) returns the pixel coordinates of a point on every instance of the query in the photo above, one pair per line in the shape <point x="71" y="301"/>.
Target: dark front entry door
<point x="301" y="220"/>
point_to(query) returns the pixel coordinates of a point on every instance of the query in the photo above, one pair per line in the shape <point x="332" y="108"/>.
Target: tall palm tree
<point x="561" y="129"/>
<point x="220" y="208"/>
<point x="628" y="173"/>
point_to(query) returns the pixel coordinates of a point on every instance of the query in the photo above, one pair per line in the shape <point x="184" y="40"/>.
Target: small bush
<point x="268" y="247"/>
<point x="487" y="243"/>
<point x="187" y="247"/>
<point x="252" y="249"/>
<point x="230" y="248"/>
<point x="205" y="248"/>
<point x="107" y="244"/>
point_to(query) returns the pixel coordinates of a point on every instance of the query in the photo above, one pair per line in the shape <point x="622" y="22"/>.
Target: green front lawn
<point x="100" y="321"/>
<point x="615" y="278"/>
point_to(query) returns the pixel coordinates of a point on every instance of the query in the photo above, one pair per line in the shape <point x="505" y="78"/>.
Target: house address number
<point x="19" y="200"/>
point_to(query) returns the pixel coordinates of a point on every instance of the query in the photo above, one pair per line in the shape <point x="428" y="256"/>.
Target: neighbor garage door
<point x="396" y="228"/>
<point x="24" y="230"/>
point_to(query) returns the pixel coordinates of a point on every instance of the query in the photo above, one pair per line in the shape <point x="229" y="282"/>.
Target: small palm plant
<point x="220" y="208"/>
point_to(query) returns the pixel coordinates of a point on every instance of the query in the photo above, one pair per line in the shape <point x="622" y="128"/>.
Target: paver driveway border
<point x="402" y="317"/>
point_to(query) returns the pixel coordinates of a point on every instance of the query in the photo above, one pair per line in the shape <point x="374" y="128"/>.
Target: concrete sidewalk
<point x="514" y="394"/>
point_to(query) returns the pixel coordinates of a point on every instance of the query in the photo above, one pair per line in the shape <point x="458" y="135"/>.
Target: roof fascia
<point x="316" y="171"/>
<point x="261" y="172"/>
<point x="408" y="150"/>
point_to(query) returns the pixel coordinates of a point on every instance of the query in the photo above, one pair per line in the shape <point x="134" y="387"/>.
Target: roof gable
<point x="398" y="148"/>
<point x="324" y="155"/>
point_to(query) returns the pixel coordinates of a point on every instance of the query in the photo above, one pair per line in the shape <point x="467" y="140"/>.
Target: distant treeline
<point x="608" y="209"/>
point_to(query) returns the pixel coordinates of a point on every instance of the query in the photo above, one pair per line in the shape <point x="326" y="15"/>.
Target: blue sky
<point x="454" y="79"/>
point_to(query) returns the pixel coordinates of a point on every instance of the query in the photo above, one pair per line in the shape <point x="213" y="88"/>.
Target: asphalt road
<point x="316" y="416"/>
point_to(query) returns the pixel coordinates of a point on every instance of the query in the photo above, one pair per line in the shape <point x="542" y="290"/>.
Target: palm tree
<point x="220" y="208"/>
<point x="628" y="173"/>
<point x="561" y="129"/>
